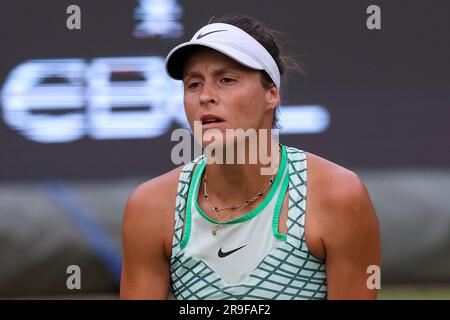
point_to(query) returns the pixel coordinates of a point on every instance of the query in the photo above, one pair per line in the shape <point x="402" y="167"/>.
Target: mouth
<point x="211" y="121"/>
<point x="211" y="124"/>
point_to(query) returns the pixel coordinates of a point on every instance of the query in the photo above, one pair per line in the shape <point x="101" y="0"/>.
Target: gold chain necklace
<point x="236" y="208"/>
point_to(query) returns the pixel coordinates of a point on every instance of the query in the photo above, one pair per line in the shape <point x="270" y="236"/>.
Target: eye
<point x="228" y="80"/>
<point x="193" y="85"/>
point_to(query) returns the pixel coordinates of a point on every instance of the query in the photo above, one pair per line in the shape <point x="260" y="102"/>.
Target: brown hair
<point x="267" y="39"/>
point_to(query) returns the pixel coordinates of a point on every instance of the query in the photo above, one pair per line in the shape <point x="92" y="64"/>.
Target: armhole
<point x="181" y="203"/>
<point x="307" y="213"/>
<point x="186" y="228"/>
<point x="278" y="206"/>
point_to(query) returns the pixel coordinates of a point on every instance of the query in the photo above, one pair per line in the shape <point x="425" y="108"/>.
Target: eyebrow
<point x="215" y="72"/>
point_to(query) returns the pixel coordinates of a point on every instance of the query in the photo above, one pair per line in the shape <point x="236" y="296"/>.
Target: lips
<point x="210" y="121"/>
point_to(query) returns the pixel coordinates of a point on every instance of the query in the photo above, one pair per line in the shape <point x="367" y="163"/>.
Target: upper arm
<point x="145" y="267"/>
<point x="352" y="241"/>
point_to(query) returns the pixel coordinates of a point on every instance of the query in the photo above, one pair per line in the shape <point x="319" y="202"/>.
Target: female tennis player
<point x="305" y="229"/>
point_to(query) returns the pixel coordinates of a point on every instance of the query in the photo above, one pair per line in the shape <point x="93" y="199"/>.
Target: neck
<point x="231" y="183"/>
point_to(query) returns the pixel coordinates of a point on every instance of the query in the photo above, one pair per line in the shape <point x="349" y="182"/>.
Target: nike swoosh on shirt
<point x="222" y="254"/>
<point x="205" y="34"/>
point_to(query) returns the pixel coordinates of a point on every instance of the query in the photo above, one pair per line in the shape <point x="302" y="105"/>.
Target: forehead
<point x="203" y="57"/>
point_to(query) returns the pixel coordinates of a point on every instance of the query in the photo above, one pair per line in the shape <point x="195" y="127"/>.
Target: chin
<point x="213" y="142"/>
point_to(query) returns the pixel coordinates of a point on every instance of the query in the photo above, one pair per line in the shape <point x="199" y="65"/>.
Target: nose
<point x="207" y="95"/>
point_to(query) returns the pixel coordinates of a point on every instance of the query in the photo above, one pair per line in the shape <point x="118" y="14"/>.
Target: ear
<point x="272" y="97"/>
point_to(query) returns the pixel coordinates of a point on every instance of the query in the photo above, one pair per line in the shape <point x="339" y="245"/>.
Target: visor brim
<point x="177" y="58"/>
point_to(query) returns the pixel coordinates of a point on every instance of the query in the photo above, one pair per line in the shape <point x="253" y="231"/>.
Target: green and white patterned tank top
<point x="287" y="272"/>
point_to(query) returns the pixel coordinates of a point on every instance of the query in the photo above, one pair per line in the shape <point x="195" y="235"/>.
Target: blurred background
<point x="86" y="116"/>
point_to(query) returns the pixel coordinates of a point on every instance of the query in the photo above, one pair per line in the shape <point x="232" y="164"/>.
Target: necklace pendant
<point x="214" y="230"/>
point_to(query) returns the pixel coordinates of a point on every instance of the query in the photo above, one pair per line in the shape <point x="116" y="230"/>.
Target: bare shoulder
<point x="338" y="197"/>
<point x="346" y="227"/>
<point x="146" y="238"/>
<point x="342" y="200"/>
<point x="155" y="190"/>
<point x="150" y="208"/>
<point x="342" y="185"/>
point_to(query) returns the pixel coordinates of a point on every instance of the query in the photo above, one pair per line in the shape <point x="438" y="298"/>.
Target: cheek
<point x="189" y="108"/>
<point x="252" y="106"/>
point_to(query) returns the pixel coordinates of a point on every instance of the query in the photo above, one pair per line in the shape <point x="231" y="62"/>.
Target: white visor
<point x="229" y="40"/>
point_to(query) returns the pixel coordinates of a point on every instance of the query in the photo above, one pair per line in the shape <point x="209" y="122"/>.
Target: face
<point x="218" y="86"/>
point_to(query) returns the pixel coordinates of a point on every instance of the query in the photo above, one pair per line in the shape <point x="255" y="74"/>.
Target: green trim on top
<point x="261" y="206"/>
<point x="187" y="222"/>
<point x="276" y="215"/>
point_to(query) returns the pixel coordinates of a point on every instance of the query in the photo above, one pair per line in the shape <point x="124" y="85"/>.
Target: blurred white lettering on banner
<point x="63" y="100"/>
